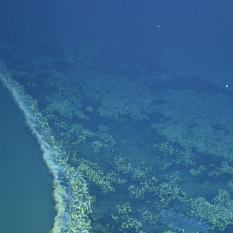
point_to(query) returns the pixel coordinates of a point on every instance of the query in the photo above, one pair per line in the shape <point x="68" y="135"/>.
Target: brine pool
<point x="26" y="201"/>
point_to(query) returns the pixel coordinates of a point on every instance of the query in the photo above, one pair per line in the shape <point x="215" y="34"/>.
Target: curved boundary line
<point x="54" y="157"/>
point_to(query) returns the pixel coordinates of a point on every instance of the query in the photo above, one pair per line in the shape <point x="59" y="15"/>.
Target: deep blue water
<point x="139" y="97"/>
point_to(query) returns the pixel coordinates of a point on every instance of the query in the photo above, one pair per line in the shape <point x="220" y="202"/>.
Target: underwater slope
<point x="73" y="203"/>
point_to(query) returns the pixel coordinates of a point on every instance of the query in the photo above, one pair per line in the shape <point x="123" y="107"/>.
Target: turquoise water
<point x="26" y="185"/>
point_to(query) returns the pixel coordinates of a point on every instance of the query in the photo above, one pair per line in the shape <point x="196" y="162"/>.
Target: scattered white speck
<point x="157" y="27"/>
<point x="226" y="85"/>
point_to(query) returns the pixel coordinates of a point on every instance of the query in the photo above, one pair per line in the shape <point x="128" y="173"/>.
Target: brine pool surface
<point x="26" y="201"/>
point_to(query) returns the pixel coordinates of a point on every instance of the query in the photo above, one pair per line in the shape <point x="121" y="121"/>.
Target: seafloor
<point x="151" y="141"/>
